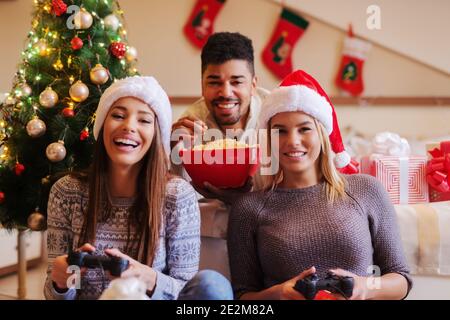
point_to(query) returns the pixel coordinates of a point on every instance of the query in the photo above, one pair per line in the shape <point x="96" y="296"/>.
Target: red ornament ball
<point x="84" y="134"/>
<point x="76" y="43"/>
<point x="118" y="49"/>
<point x="68" y="112"/>
<point x="2" y="197"/>
<point x="19" y="168"/>
<point x="59" y="7"/>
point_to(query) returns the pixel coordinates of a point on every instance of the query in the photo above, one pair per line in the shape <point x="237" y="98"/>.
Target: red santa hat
<point x="148" y="90"/>
<point x="299" y="91"/>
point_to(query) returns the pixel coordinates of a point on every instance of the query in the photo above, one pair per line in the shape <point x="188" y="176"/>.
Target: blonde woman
<point x="128" y="205"/>
<point x="311" y="218"/>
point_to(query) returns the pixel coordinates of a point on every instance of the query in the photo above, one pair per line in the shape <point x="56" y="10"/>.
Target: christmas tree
<point x="74" y="51"/>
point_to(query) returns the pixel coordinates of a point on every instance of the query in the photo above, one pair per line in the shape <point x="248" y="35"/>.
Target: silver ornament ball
<point x="36" y="128"/>
<point x="56" y="151"/>
<point x="36" y="222"/>
<point x="131" y="54"/>
<point x="83" y="20"/>
<point x="79" y="92"/>
<point x="25" y="90"/>
<point x="99" y="75"/>
<point x="48" y="98"/>
<point x="111" y="22"/>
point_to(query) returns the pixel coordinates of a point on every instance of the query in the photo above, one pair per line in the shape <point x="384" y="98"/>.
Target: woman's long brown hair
<point x="147" y="211"/>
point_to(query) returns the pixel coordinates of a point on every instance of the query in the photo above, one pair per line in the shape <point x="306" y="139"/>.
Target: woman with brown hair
<point x="127" y="205"/>
<point x="311" y="219"/>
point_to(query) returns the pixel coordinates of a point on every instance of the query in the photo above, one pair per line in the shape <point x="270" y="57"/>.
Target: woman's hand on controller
<point x="59" y="273"/>
<point x="287" y="291"/>
<point x="360" y="288"/>
<point x="136" y="269"/>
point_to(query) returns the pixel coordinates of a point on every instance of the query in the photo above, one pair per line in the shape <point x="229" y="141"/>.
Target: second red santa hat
<point x="299" y="91"/>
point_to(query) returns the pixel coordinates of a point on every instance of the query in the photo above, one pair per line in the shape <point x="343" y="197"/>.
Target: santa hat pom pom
<point x="342" y="159"/>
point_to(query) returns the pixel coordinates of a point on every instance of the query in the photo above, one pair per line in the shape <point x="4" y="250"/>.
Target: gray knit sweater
<point x="274" y="236"/>
<point x="178" y="253"/>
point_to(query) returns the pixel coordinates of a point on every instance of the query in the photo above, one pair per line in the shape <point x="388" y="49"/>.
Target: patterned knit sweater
<point x="177" y="256"/>
<point x="274" y="236"/>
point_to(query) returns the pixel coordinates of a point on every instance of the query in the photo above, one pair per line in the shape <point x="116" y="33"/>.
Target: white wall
<point x="415" y="28"/>
<point x="166" y="53"/>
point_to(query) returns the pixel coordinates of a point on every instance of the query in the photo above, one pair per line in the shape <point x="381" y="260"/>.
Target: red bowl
<point x="223" y="168"/>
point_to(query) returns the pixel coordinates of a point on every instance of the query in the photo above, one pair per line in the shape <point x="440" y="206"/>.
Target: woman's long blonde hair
<point x="335" y="183"/>
<point x="147" y="212"/>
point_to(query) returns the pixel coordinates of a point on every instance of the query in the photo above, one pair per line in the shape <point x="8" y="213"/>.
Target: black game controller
<point x="312" y="284"/>
<point x="114" y="265"/>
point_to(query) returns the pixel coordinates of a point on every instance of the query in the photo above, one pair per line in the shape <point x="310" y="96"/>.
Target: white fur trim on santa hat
<point x="342" y="159"/>
<point x="356" y="48"/>
<point x="146" y="89"/>
<point x="297" y="98"/>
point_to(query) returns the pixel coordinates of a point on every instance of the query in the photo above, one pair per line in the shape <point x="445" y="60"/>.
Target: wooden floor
<point x="35" y="284"/>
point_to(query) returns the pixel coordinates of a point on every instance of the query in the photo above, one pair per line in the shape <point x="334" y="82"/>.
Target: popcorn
<point x="221" y="144"/>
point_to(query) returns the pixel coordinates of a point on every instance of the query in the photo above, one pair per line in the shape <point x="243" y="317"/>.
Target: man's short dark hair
<point x="224" y="46"/>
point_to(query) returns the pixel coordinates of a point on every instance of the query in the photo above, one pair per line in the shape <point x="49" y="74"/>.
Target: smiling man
<point x="231" y="99"/>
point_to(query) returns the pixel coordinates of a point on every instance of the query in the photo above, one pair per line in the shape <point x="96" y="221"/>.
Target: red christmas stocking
<point x="200" y="24"/>
<point x="277" y="55"/>
<point x="350" y="75"/>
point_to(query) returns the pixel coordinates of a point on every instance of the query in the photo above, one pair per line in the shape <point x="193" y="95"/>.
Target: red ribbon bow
<point x="438" y="168"/>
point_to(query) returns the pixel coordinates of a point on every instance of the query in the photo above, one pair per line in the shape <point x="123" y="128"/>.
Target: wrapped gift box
<point x="438" y="170"/>
<point x="403" y="177"/>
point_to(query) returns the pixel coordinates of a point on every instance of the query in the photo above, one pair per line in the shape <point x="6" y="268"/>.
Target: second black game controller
<point x="114" y="265"/>
<point x="312" y="284"/>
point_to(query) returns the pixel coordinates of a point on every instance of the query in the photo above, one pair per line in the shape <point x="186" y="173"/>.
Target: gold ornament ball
<point x="111" y="22"/>
<point x="36" y="128"/>
<point x="99" y="75"/>
<point x="41" y="46"/>
<point x="131" y="54"/>
<point x="56" y="151"/>
<point x="79" y="91"/>
<point x="26" y="90"/>
<point x="48" y="98"/>
<point x="36" y="222"/>
<point x="83" y="20"/>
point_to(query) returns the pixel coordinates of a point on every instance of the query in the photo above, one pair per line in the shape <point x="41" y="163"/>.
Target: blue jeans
<point x="207" y="285"/>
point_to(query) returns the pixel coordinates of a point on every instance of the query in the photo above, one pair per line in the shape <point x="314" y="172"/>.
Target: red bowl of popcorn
<point x="223" y="163"/>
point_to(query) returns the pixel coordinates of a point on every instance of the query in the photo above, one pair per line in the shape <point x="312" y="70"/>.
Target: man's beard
<point x="228" y="120"/>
